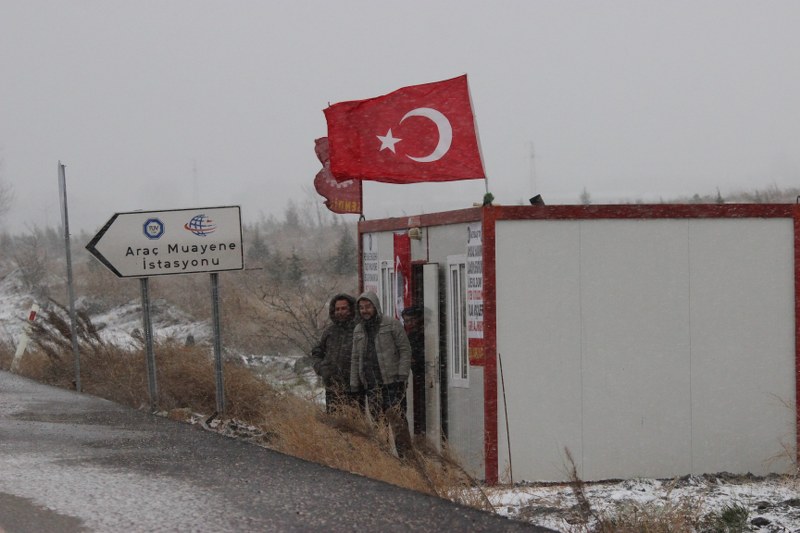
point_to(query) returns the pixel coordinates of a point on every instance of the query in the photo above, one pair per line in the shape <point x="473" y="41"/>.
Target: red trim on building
<point x="579" y="212"/>
<point x="796" y="214"/>
<point x="489" y="347"/>
<point x="472" y="214"/>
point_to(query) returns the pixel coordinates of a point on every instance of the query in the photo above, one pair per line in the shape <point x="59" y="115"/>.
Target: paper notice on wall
<point x="475" y="293"/>
<point x="371" y="273"/>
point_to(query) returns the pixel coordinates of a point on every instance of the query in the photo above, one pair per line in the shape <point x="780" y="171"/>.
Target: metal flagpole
<point x="62" y="186"/>
<point x="480" y="149"/>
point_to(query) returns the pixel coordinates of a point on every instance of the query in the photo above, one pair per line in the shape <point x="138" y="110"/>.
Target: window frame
<point x="457" y="341"/>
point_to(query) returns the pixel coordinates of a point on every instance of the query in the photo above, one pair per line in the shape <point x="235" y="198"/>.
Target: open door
<point x="433" y="388"/>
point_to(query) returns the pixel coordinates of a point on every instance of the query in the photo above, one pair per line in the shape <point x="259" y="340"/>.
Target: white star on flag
<point x="388" y="141"/>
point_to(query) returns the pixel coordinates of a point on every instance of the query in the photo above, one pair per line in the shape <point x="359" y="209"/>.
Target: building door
<point x="433" y="371"/>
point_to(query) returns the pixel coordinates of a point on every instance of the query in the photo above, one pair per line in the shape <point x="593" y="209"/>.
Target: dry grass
<point x="789" y="451"/>
<point x="345" y="440"/>
<point x="666" y="516"/>
<point x="6" y="353"/>
<point x="684" y="516"/>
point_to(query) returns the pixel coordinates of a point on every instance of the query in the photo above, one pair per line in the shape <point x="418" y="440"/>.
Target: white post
<point x="24" y="338"/>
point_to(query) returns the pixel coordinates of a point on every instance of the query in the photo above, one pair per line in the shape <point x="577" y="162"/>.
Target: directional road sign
<point x="141" y="244"/>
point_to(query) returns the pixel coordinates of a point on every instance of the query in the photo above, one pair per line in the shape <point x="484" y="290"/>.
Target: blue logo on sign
<point x="153" y="228"/>
<point x="201" y="225"/>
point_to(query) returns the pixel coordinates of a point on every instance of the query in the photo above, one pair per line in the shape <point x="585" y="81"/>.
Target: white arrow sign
<point x="182" y="241"/>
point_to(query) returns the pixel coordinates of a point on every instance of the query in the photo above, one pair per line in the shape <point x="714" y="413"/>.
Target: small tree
<point x="276" y="268"/>
<point x="258" y="251"/>
<point x="294" y="268"/>
<point x="344" y="261"/>
<point x="31" y="258"/>
<point x="586" y="198"/>
<point x="292" y="215"/>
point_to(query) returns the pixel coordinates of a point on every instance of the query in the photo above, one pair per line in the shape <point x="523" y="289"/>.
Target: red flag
<point x="340" y="197"/>
<point x="402" y="272"/>
<point x="418" y="133"/>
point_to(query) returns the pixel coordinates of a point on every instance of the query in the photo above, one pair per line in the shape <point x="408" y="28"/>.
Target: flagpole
<point x="478" y="141"/>
<point x="361" y="201"/>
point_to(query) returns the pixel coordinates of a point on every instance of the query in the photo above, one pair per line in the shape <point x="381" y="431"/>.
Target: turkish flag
<point x="340" y="197"/>
<point x="414" y="134"/>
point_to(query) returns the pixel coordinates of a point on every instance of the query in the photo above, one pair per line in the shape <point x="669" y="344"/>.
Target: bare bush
<point x="52" y="333"/>
<point x="6" y="353"/>
<point x="31" y="255"/>
<point x="298" y="316"/>
<point x="6" y="194"/>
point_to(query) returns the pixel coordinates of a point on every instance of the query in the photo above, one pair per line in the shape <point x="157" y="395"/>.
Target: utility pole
<point x="195" y="186"/>
<point x="533" y="183"/>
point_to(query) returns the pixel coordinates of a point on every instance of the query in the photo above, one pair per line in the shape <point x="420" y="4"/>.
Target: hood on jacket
<point x="342" y="296"/>
<point x="372" y="297"/>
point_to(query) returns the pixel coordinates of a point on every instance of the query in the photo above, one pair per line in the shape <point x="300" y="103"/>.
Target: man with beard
<point x="331" y="356"/>
<point x="380" y="365"/>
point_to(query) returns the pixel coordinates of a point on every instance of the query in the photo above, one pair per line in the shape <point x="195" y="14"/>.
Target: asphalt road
<point x="71" y="462"/>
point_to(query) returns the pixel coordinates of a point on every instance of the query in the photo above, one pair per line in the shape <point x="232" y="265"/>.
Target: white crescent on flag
<point x="445" y="133"/>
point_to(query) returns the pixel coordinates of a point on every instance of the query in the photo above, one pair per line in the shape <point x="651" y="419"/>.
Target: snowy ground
<point x="773" y="504"/>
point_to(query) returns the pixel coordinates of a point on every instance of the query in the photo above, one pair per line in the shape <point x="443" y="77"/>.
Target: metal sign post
<point x="62" y="186"/>
<point x="217" y="343"/>
<point x="147" y="326"/>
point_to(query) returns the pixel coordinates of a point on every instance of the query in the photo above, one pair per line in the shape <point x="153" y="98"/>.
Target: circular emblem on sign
<point x="200" y="225"/>
<point x="153" y="228"/>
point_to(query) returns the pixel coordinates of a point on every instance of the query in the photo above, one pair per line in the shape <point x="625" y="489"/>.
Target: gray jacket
<point x="391" y="346"/>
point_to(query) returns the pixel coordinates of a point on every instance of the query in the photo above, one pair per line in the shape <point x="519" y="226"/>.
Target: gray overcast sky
<point x="629" y="99"/>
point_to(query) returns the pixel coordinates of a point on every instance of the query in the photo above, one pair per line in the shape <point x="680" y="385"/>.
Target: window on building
<point x="457" y="321"/>
<point x="387" y="288"/>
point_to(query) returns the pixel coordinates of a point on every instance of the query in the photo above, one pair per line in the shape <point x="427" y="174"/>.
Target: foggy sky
<point x="187" y="103"/>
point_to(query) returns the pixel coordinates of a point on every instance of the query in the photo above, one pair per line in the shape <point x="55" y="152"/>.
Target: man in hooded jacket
<point x="380" y="366"/>
<point x="331" y="356"/>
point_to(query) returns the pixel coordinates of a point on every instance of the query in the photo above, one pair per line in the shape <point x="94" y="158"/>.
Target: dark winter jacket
<point x="391" y="346"/>
<point x="331" y="357"/>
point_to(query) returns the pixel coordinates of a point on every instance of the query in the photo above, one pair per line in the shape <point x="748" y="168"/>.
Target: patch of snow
<point x="773" y="499"/>
<point x="15" y="308"/>
<point x="120" y="326"/>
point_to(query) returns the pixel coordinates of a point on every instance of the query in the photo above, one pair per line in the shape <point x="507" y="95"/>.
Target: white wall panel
<point x="465" y="423"/>
<point x="539" y="341"/>
<point x="635" y="337"/>
<point x="742" y="335"/>
<point x="647" y="347"/>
